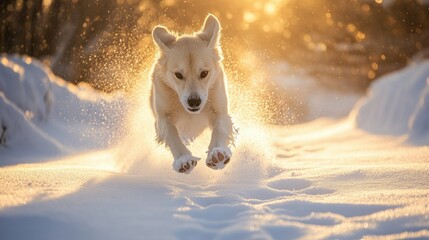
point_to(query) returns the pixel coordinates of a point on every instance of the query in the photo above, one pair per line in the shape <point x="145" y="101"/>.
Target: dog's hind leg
<point x="219" y="153"/>
<point x="167" y="133"/>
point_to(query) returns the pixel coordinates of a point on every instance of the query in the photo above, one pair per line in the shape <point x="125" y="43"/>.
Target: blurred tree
<point x="343" y="43"/>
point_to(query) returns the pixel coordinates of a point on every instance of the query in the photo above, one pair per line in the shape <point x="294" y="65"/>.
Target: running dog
<point x="189" y="95"/>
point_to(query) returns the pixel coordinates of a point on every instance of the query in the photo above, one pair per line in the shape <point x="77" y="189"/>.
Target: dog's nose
<point x="194" y="101"/>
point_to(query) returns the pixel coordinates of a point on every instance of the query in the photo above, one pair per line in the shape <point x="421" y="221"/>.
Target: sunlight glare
<point x="249" y="17"/>
<point x="270" y="8"/>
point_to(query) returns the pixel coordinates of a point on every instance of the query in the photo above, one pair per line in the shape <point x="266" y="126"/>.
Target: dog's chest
<point x="190" y="126"/>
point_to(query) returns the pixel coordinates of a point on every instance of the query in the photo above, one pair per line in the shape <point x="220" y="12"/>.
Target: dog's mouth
<point x="194" y="109"/>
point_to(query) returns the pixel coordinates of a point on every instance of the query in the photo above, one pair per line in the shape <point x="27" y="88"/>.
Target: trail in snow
<point x="319" y="185"/>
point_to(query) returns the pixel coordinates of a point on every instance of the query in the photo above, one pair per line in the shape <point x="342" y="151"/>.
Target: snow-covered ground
<point x="326" y="179"/>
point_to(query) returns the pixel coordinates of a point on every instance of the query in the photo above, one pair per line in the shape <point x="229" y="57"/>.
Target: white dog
<point x="189" y="94"/>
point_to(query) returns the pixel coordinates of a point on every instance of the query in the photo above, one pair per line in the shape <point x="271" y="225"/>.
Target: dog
<point x="189" y="94"/>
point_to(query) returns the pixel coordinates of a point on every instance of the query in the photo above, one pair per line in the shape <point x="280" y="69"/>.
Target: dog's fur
<point x="177" y="80"/>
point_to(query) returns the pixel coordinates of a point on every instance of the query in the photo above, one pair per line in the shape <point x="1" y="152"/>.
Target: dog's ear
<point x="211" y="31"/>
<point x="163" y="38"/>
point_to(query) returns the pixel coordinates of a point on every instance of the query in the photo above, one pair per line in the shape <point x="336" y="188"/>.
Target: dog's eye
<point x="179" y="75"/>
<point x="204" y="74"/>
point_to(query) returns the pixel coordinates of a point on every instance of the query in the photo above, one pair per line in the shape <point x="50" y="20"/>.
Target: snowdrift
<point x="309" y="100"/>
<point x="33" y="101"/>
<point x="398" y="104"/>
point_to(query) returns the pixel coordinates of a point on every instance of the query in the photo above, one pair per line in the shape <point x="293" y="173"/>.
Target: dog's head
<point x="190" y="64"/>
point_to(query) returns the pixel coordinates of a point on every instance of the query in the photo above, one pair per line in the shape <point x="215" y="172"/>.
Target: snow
<point x="49" y="116"/>
<point x="314" y="100"/>
<point x="398" y="104"/>
<point x="325" y="179"/>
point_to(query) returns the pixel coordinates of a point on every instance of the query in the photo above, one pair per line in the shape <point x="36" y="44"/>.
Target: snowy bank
<point x="40" y="112"/>
<point x="309" y="99"/>
<point x="398" y="104"/>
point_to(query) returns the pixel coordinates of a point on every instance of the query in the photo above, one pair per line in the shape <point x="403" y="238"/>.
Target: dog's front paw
<point x="218" y="157"/>
<point x="185" y="164"/>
